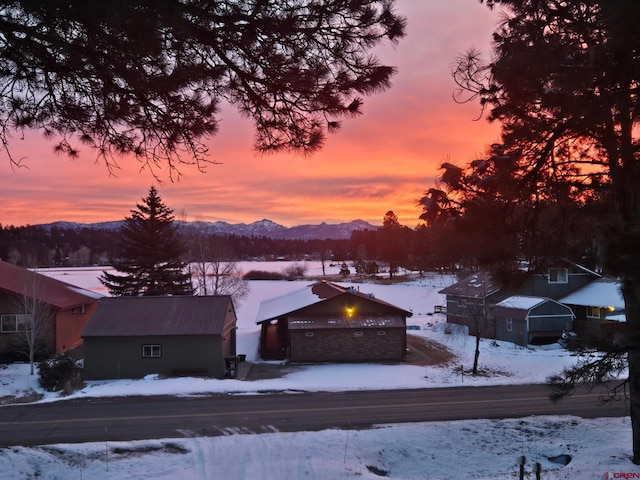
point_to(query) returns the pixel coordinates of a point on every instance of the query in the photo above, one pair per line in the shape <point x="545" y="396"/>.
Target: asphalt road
<point x="137" y="418"/>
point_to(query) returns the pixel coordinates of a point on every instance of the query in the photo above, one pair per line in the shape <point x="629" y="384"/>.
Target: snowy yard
<point x="479" y="449"/>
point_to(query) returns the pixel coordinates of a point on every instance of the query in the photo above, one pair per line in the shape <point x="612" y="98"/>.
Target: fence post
<point x="521" y="460"/>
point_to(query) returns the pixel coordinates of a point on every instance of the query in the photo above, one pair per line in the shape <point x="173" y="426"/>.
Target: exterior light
<point x="350" y="311"/>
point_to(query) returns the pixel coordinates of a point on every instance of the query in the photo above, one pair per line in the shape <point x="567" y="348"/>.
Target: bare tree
<point x="479" y="314"/>
<point x="33" y="320"/>
<point x="215" y="270"/>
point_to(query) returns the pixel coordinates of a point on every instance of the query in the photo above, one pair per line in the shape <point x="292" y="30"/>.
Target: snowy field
<point x="478" y="449"/>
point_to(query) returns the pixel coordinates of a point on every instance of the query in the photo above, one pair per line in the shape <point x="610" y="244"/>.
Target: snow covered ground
<point x="479" y="449"/>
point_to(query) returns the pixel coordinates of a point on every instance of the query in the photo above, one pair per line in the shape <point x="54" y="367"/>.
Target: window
<point x="151" y="351"/>
<point x="382" y="333"/>
<point x="358" y="334"/>
<point x="308" y="334"/>
<point x="78" y="310"/>
<point x="509" y="324"/>
<point x="593" y="312"/>
<point x="11" y="323"/>
<point x="558" y="275"/>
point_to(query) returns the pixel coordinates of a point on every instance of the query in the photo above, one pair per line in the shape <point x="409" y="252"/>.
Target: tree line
<point x="563" y="82"/>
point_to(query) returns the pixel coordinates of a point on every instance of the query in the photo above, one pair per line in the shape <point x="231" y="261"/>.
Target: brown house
<point x="62" y="309"/>
<point x="325" y="322"/>
<point x="130" y="337"/>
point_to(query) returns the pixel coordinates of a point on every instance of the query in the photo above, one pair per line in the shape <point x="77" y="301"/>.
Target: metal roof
<point x="45" y="289"/>
<point x="159" y="316"/>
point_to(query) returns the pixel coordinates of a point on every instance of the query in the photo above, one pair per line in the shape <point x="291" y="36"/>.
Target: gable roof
<point x="478" y="285"/>
<point x="520" y="306"/>
<point x="603" y="292"/>
<point x="524" y="302"/>
<point x="159" y="316"/>
<point x="18" y="280"/>
<point x="310" y="295"/>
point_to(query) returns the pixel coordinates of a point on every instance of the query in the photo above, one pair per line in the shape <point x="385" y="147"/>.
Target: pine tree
<point x="149" y="249"/>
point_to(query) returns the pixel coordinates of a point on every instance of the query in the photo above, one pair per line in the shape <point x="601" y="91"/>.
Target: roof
<point x="478" y="285"/>
<point x="357" y="321"/>
<point x="521" y="302"/>
<point x="310" y="295"/>
<point x="603" y="292"/>
<point x="159" y="316"/>
<point x="48" y="290"/>
<point x="524" y="304"/>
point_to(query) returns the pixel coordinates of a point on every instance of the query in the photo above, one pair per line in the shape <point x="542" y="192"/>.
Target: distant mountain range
<point x="261" y="228"/>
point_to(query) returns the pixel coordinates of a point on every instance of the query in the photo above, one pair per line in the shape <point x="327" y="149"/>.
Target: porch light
<point x="610" y="308"/>
<point x="350" y="311"/>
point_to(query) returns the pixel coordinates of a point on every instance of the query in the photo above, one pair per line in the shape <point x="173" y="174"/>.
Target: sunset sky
<point x="383" y="160"/>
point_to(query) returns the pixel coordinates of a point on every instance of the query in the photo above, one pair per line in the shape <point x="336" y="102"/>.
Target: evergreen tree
<point x="391" y="242"/>
<point x="563" y="82"/>
<point x="149" y="259"/>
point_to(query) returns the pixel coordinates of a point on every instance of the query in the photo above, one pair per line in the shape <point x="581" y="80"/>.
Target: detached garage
<point x="130" y="337"/>
<point x="325" y="322"/>
<point x="525" y="320"/>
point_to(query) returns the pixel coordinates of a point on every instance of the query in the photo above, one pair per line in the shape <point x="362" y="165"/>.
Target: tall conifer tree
<point x="149" y="259"/>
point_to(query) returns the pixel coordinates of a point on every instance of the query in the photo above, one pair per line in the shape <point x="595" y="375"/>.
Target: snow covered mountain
<point x="261" y="228"/>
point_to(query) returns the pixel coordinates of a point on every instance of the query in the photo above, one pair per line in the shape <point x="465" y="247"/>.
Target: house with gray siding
<point x="599" y="310"/>
<point x="472" y="300"/>
<point x="325" y="322"/>
<point x="131" y="337"/>
<point x="526" y="320"/>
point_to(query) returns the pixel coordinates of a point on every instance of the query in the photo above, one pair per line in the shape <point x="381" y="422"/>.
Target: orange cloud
<point x="383" y="160"/>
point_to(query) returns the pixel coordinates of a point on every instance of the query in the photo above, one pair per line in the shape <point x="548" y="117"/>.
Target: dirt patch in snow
<point x="423" y="351"/>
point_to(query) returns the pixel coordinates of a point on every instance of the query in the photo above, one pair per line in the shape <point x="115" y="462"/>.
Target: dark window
<point x="11" y="323"/>
<point x="78" y="310"/>
<point x="151" y="351"/>
<point x="558" y="275"/>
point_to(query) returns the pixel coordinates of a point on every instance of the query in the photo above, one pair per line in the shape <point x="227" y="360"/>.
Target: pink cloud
<point x="381" y="161"/>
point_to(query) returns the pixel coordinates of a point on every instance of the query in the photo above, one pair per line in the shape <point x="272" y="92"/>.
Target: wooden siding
<point x="539" y="286"/>
<point x="523" y="327"/>
<point x="121" y="357"/>
<point x="69" y="326"/>
<point x="9" y="305"/>
<point x="459" y="313"/>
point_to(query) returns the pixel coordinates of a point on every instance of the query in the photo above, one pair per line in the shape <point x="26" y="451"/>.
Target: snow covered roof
<point x="307" y="296"/>
<point x="303" y="297"/>
<point x="477" y="285"/>
<point x="603" y="292"/>
<point x="521" y="302"/>
<point x="620" y="317"/>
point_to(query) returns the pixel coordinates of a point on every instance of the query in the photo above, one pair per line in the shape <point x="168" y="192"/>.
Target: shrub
<point x="59" y="373"/>
<point x="295" y="270"/>
<point x="262" y="275"/>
